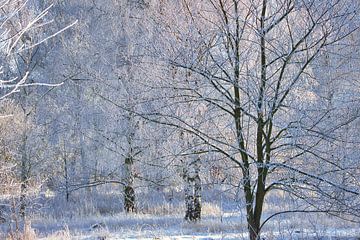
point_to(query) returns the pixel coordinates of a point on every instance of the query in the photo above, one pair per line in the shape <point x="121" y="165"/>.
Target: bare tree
<point x="253" y="63"/>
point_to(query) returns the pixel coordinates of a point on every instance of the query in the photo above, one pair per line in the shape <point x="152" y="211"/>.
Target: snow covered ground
<point x="232" y="226"/>
<point x="160" y="220"/>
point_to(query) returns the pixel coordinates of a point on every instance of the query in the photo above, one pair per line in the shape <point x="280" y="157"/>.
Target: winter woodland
<point x="179" y="119"/>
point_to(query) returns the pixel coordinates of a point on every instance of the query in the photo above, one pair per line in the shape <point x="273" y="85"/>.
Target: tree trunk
<point x="254" y="234"/>
<point x="22" y="208"/>
<point x="129" y="193"/>
<point x="254" y="213"/>
<point x="254" y="231"/>
<point x="66" y="175"/>
<point x="193" y="191"/>
<point x="24" y="178"/>
<point x="253" y="225"/>
<point x="197" y="191"/>
<point x="188" y="195"/>
<point x="85" y="178"/>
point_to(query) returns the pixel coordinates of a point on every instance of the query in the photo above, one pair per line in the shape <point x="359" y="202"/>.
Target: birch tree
<point x="104" y="66"/>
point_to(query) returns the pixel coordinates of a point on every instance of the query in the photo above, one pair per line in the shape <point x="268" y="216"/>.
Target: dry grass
<point x="162" y="209"/>
<point x="208" y="209"/>
<point x="27" y="234"/>
<point x="60" y="235"/>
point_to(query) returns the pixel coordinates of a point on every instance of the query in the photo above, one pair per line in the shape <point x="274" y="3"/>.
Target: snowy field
<point x="100" y="216"/>
<point x="84" y="221"/>
<point x="142" y="226"/>
<point x="215" y="224"/>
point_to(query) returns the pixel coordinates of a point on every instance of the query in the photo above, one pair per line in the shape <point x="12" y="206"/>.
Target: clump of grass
<point x="166" y="208"/>
<point x="27" y="234"/>
<point x="162" y="209"/>
<point x="60" y="235"/>
<point x="210" y="209"/>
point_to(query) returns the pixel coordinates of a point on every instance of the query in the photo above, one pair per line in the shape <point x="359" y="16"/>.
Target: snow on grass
<point x="161" y="220"/>
<point x="148" y="226"/>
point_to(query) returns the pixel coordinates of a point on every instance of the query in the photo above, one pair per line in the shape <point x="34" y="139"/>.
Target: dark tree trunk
<point x="66" y="175"/>
<point x="24" y="179"/>
<point x="22" y="208"/>
<point x="197" y="191"/>
<point x="254" y="231"/>
<point x="129" y="199"/>
<point x="129" y="193"/>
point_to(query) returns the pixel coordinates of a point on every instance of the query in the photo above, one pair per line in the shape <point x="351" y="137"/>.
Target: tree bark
<point x="23" y="178"/>
<point x="66" y="175"/>
<point x="192" y="191"/>
<point x="197" y="191"/>
<point x="129" y="193"/>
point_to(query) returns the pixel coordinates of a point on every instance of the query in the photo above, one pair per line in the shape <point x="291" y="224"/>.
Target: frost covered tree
<point x="24" y="32"/>
<point x="253" y="64"/>
<point x="103" y="63"/>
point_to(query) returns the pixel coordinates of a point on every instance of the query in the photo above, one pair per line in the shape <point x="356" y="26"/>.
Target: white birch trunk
<point x="192" y="190"/>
